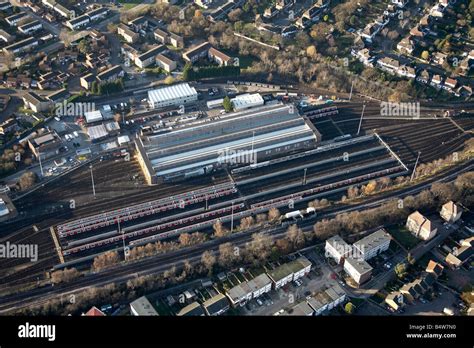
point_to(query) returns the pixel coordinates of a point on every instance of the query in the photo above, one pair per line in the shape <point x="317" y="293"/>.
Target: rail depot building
<point x="241" y="138"/>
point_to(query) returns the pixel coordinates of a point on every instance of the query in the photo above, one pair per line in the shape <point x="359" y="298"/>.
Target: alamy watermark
<point x="348" y="251"/>
<point x="19" y="251"/>
<point x="233" y="157"/>
<point x="392" y="109"/>
<point x="73" y="109"/>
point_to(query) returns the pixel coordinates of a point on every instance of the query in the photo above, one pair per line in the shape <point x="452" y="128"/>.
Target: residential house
<point x="337" y="248"/>
<point x="6" y="37"/>
<point x="423" y="76"/>
<point x="301" y="309"/>
<point x="370" y="31"/>
<point x="149" y="57"/>
<point x="193" y="309"/>
<point x="439" y="58"/>
<point x="14" y="19"/>
<point x="112" y="74"/>
<point x="166" y="63"/>
<point x="219" y="57"/>
<point x="98" y="13"/>
<point x="406" y="46"/>
<point x="35" y="102"/>
<point x="216" y="305"/>
<point x="30" y="27"/>
<point x="372" y="245"/>
<point x="5" y="6"/>
<point x="417" y="32"/>
<point x="395" y="300"/>
<point x="437" y="81"/>
<point x="407" y="71"/>
<point x="128" y="34"/>
<point x="161" y="36"/>
<point x="461" y="255"/>
<point x="21" y="46"/>
<point x="437" y="11"/>
<point x="78" y="22"/>
<point x="388" y="64"/>
<point x="8" y="126"/>
<point x="450" y="84"/>
<point x="94" y="312"/>
<point x="451" y="212"/>
<point x="420" y="226"/>
<point x="434" y="268"/>
<point x="364" y="56"/>
<point x="464" y="91"/>
<point x="138" y="23"/>
<point x="130" y="52"/>
<point x="176" y="40"/>
<point x="196" y="53"/>
<point x="249" y="290"/>
<point x="359" y="270"/>
<point x="327" y="300"/>
<point x="288" y="272"/>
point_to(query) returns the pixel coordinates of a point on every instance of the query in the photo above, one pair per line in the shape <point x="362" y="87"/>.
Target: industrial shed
<point x="235" y="139"/>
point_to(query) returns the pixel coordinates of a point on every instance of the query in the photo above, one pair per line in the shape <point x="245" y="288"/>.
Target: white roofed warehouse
<point x="234" y="139"/>
<point x="172" y="96"/>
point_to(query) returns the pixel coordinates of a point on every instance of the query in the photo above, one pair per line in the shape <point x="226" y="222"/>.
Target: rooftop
<point x="373" y="241"/>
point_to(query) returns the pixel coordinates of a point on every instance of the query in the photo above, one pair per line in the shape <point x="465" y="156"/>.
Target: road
<point x="159" y="263"/>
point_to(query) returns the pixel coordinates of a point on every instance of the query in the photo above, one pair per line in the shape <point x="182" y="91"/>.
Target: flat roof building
<point x="337" y="248"/>
<point x="373" y="244"/>
<point x="205" y="147"/>
<point x="142" y="307"/>
<point x="246" y="101"/>
<point x="175" y="95"/>
<point x="290" y="271"/>
<point x="359" y="270"/>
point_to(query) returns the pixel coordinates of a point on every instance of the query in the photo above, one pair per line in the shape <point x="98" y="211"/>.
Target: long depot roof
<point x="170" y="93"/>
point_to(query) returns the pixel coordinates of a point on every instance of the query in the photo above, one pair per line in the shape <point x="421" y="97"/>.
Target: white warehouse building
<point x="172" y="96"/>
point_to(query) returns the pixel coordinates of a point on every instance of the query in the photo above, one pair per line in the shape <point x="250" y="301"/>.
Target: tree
<point x="273" y="214"/>
<point x="64" y="275"/>
<point x="425" y="55"/>
<point x="197" y="14"/>
<point x="219" y="229"/>
<point x="169" y="80"/>
<point x="311" y="51"/>
<point x="105" y="260"/>
<point x="227" y="104"/>
<point x="187" y="72"/>
<point x="246" y="222"/>
<point x="349" y="308"/>
<point x="208" y="261"/>
<point x="295" y="236"/>
<point x="401" y="270"/>
<point x="228" y="255"/>
<point x="27" y="180"/>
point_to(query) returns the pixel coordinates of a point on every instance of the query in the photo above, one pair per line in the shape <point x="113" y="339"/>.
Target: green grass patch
<point x="404" y="237"/>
